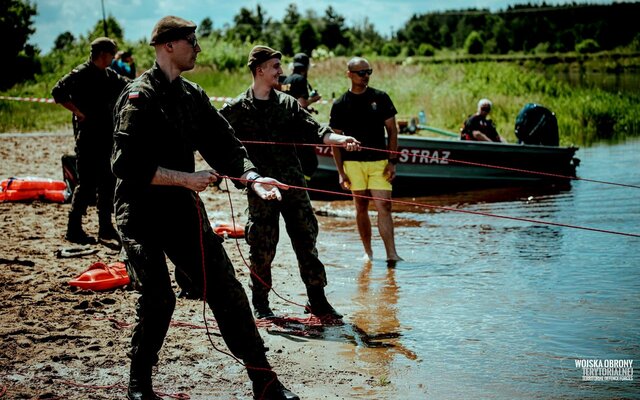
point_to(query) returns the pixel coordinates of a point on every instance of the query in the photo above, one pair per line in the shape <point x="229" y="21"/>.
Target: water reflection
<point x="375" y="321"/>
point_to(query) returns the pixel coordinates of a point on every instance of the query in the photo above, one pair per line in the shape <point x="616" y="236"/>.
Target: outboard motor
<point x="536" y="124"/>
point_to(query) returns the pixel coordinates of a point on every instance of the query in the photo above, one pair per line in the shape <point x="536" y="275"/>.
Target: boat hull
<point x="438" y="166"/>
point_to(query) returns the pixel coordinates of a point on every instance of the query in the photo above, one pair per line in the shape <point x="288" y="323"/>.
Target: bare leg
<point x="363" y="221"/>
<point x="385" y="223"/>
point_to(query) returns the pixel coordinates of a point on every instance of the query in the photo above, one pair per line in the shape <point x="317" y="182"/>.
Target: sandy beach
<point x="60" y="342"/>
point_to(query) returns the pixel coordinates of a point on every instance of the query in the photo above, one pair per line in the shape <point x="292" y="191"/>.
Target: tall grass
<point x="447" y="92"/>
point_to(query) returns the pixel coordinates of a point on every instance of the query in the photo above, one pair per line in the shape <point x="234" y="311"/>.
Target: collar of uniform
<point x="175" y="87"/>
<point x="250" y="98"/>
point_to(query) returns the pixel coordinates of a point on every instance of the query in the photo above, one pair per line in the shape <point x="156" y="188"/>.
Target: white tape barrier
<point x="44" y="100"/>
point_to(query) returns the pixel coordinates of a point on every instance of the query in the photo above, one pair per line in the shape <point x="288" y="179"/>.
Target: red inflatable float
<point x="33" y="188"/>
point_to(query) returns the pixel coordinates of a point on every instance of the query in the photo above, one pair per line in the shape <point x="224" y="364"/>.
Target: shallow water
<point x="484" y="307"/>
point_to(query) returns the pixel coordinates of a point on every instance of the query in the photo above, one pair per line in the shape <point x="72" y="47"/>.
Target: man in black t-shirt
<point x="298" y="86"/>
<point x="365" y="113"/>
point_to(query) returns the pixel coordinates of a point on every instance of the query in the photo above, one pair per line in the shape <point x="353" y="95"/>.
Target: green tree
<point x="64" y="40"/>
<point x="114" y="30"/>
<point x="19" y="58"/>
<point x="306" y="37"/>
<point x="332" y="32"/>
<point x="205" y="28"/>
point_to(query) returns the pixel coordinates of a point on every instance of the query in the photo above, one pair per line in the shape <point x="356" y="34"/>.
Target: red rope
<point x="412" y="203"/>
<point x="454" y="161"/>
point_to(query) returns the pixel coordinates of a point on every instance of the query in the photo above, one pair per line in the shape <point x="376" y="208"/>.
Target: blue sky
<point x="137" y="17"/>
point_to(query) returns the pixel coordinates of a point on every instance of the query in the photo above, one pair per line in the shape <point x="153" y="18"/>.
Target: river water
<point x="494" y="308"/>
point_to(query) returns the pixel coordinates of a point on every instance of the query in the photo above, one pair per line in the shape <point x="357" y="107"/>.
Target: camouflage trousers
<point x="262" y="234"/>
<point x="178" y="237"/>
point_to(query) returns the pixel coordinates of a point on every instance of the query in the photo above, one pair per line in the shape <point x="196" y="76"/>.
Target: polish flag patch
<point x="134" y="95"/>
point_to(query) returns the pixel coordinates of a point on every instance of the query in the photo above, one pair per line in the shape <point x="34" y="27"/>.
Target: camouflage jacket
<point x="279" y="119"/>
<point x="161" y="124"/>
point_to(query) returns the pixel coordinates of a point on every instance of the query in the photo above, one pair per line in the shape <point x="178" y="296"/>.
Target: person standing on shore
<point x="90" y="91"/>
<point x="365" y="113"/>
<point x="263" y="113"/>
<point x="161" y="120"/>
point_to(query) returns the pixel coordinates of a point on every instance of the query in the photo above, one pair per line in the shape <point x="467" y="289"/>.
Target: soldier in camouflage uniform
<point x="265" y="114"/>
<point x="90" y="92"/>
<point x="161" y="119"/>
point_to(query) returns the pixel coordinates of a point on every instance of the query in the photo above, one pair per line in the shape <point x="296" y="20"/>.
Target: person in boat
<point x="263" y="113"/>
<point x="298" y="86"/>
<point x="478" y="127"/>
<point x="366" y="114"/>
<point x="90" y="91"/>
<point x="160" y="120"/>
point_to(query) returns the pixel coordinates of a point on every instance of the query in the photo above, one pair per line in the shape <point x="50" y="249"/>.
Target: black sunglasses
<point x="363" y="72"/>
<point x="193" y="41"/>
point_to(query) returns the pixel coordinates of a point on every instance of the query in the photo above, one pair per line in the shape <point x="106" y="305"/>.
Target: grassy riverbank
<point x="447" y="92"/>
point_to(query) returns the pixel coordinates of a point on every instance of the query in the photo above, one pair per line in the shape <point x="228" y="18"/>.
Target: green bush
<point x="391" y="49"/>
<point x="587" y="46"/>
<point x="426" y="50"/>
<point x="474" y="43"/>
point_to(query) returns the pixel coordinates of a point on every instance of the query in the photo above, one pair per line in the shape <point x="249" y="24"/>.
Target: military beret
<point x="260" y="54"/>
<point x="171" y="28"/>
<point x="104" y="44"/>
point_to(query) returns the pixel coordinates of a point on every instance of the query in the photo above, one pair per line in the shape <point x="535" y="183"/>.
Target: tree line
<point x="530" y="28"/>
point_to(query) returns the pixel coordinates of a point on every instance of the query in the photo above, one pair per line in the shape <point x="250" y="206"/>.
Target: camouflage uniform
<point x="161" y="124"/>
<point x="94" y="92"/>
<point x="279" y="119"/>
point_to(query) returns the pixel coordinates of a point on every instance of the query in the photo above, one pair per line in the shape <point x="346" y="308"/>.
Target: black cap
<point x="171" y="28"/>
<point x="103" y="44"/>
<point x="260" y="54"/>
<point x="301" y="60"/>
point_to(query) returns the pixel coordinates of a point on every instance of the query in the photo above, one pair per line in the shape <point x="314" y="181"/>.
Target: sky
<point x="137" y="17"/>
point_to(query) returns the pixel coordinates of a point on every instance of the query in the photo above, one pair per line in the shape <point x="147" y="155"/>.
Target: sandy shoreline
<point x="54" y="337"/>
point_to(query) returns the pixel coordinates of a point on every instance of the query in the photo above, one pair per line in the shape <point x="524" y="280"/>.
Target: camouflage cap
<point x="103" y="44"/>
<point x="260" y="54"/>
<point x="171" y="28"/>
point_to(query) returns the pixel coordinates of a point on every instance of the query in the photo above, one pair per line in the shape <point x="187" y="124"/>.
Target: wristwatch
<point x="394" y="160"/>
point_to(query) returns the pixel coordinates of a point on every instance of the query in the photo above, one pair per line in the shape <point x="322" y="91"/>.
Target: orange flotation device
<point x="33" y="188"/>
<point x="101" y="276"/>
<point x="225" y="229"/>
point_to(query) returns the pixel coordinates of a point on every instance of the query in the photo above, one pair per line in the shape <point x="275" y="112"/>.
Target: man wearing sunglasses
<point x="161" y="120"/>
<point x="365" y="113"/>
<point x="478" y="127"/>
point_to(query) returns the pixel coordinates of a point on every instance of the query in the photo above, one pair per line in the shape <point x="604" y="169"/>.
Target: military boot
<point x="140" y="383"/>
<point x="261" y="307"/>
<point x="318" y="304"/>
<point x="75" y="234"/>
<point x="106" y="230"/>
<point x="266" y="386"/>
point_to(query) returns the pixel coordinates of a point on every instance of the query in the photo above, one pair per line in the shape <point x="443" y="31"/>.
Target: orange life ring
<point x="228" y="230"/>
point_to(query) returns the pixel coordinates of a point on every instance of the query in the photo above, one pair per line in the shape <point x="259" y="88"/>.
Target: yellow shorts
<point x="367" y="175"/>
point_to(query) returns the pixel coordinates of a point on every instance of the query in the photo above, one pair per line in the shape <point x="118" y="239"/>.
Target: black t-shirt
<point x="297" y="86"/>
<point x="362" y="116"/>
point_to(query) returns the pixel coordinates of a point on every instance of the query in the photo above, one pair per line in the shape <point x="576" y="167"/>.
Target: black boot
<point x="106" y="230"/>
<point x="318" y="304"/>
<point x="261" y="307"/>
<point x="140" y="383"/>
<point x="75" y="234"/>
<point x="266" y="386"/>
